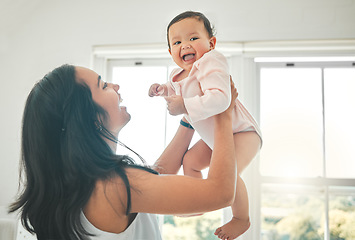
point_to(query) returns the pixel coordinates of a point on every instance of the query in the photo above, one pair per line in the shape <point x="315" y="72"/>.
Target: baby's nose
<point x="186" y="46"/>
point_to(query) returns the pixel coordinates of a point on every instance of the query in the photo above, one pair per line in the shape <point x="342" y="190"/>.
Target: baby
<point x="199" y="89"/>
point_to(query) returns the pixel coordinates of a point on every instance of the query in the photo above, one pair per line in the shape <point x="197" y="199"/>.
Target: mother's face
<point x="105" y="95"/>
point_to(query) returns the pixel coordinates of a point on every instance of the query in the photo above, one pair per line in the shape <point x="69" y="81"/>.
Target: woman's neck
<point x="112" y="144"/>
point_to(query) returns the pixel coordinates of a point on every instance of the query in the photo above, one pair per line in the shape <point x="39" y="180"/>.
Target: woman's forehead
<point x="86" y="75"/>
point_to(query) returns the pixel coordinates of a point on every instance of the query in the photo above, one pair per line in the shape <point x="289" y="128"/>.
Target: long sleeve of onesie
<point x="171" y="89"/>
<point x="212" y="73"/>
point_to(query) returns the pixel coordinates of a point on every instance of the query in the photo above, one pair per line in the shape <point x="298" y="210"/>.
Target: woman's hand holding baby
<point x="175" y="105"/>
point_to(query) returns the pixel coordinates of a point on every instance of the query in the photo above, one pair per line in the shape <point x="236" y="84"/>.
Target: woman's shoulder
<point x="138" y="173"/>
<point x="118" y="183"/>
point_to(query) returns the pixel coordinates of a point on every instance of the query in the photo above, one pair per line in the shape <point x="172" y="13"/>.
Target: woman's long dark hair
<point x="63" y="156"/>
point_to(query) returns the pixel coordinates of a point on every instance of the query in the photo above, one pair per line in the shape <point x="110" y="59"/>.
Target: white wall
<point x="38" y="35"/>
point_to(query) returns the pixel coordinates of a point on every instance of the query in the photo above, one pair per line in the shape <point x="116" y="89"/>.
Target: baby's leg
<point x="196" y="159"/>
<point x="247" y="145"/>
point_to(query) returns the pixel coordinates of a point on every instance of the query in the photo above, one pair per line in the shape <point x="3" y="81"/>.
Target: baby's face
<point x="189" y="41"/>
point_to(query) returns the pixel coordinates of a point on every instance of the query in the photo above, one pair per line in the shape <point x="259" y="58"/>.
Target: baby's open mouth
<point x="188" y="57"/>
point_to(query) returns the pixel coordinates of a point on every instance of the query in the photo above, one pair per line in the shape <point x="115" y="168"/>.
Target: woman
<point x="76" y="187"/>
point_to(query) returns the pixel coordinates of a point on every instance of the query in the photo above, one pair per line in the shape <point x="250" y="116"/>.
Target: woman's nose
<point x="116" y="87"/>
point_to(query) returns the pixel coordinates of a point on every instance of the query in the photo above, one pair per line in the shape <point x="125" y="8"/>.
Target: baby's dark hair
<point x="191" y="14"/>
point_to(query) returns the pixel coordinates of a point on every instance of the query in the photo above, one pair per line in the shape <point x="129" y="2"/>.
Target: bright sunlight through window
<point x="307" y="163"/>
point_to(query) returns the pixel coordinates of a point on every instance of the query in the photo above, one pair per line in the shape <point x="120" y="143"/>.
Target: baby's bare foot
<point x="232" y="229"/>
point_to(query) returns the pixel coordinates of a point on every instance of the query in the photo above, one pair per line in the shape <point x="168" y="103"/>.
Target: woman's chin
<point x="127" y="119"/>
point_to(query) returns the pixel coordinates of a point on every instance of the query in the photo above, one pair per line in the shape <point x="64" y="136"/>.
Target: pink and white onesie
<point x="206" y="91"/>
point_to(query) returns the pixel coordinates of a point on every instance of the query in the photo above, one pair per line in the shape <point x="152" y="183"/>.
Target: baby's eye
<point x="176" y="43"/>
<point x="105" y="85"/>
<point x="193" y="38"/>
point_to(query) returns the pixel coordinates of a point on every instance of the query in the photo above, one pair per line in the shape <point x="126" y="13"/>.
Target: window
<point x="307" y="163"/>
<point x="302" y="186"/>
<point x="151" y="127"/>
<point x="150" y="117"/>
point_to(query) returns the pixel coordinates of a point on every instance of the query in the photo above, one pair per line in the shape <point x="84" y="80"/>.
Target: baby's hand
<point x="175" y="105"/>
<point x="157" y="90"/>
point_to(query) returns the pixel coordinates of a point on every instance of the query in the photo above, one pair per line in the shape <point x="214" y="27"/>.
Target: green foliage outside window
<point x="192" y="228"/>
<point x="306" y="221"/>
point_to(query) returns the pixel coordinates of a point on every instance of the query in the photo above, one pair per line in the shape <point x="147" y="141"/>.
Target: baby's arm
<point x="163" y="90"/>
<point x="214" y="81"/>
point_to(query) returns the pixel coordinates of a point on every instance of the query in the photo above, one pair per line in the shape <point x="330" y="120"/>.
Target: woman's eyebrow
<point x="98" y="81"/>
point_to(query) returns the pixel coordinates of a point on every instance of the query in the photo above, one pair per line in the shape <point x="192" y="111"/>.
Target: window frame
<point x="329" y="186"/>
<point x="246" y="74"/>
<point x="162" y="61"/>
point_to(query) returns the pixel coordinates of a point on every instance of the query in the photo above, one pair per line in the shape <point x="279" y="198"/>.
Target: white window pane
<point x="145" y="133"/>
<point x="339" y="92"/>
<point x="291" y="122"/>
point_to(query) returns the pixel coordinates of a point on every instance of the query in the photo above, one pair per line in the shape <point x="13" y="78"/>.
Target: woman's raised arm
<point x="172" y="194"/>
<point x="170" y="160"/>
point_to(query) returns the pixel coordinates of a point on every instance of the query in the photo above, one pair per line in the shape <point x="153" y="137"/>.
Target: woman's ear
<point x="213" y="42"/>
<point x="98" y="126"/>
<point x="99" y="123"/>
